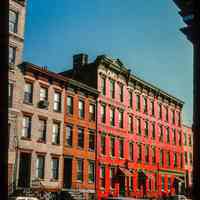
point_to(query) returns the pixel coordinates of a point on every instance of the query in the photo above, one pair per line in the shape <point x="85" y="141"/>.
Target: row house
<point x="17" y="11"/>
<point x="39" y="131"/>
<point x="79" y="145"/>
<point x="139" y="131"/>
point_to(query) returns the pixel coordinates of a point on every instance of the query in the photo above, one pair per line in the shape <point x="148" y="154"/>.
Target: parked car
<point x="175" y="197"/>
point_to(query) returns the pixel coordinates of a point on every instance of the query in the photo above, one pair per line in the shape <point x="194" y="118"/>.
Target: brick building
<point x="139" y="131"/>
<point x="17" y="11"/>
<point x="79" y="147"/>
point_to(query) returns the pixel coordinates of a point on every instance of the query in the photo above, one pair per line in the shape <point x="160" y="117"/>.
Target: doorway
<point x="24" y="170"/>
<point x="122" y="185"/>
<point x="67" y="172"/>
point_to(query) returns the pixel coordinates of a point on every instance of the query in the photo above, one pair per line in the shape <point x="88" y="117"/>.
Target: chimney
<point x="79" y="60"/>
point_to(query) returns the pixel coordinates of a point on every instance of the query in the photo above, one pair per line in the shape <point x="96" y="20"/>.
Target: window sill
<point x="79" y="181"/>
<point x="25" y="138"/>
<point x="68" y="146"/>
<point x="41" y="141"/>
<point x="57" y="111"/>
<point x="54" y="180"/>
<point x="55" y="144"/>
<point x="91" y="150"/>
<point x="90" y="182"/>
<point x="28" y="103"/>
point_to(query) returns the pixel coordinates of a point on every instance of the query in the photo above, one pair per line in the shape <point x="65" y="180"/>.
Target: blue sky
<point x="143" y="34"/>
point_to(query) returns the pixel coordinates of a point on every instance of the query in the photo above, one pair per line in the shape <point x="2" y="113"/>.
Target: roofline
<point x="147" y="84"/>
<point x="60" y="77"/>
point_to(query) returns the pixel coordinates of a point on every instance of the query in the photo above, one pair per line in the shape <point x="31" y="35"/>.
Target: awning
<point x="125" y="171"/>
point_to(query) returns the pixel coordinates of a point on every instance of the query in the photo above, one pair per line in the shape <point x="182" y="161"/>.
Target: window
<point x="112" y="116"/>
<point x="13" y="21"/>
<point x="40" y="166"/>
<point x="112" y="179"/>
<point x="168" y="135"/>
<point x="138" y="124"/>
<point x="139" y="152"/>
<point x="43" y="94"/>
<point x="181" y="160"/>
<point x="80" y="137"/>
<point x="69" y="132"/>
<point x="144" y="104"/>
<point x="121" y="148"/>
<point x="146" y="153"/>
<point x="159" y="111"/>
<point x="10" y="94"/>
<point x="42" y="130"/>
<point x="185" y="138"/>
<point x="186" y="158"/>
<point x="160" y="131"/>
<point x="55" y="168"/>
<point x="173" y="117"/>
<point x="152" y="108"/>
<point x="12" y="55"/>
<point x="81" y="109"/>
<point x="112" y="146"/>
<point x="91" y="140"/>
<point x="161" y="158"/>
<point x="146" y="128"/>
<point x="150" y="186"/>
<point x="153" y="131"/>
<point x="138" y="102"/>
<point x="131" y="156"/>
<point x="153" y="154"/>
<point x="57" y="102"/>
<point x="70" y="105"/>
<point x="26" y="127"/>
<point x="190" y="140"/>
<point x="103" y="144"/>
<point x="80" y="170"/>
<point x="130" y="99"/>
<point x="166" y="114"/>
<point x="179" y="118"/>
<point x="163" y="183"/>
<point x="175" y="159"/>
<point x="102" y="176"/>
<point x="121" y="92"/>
<point x="56" y="133"/>
<point x="174" y="136"/>
<point x="112" y="89"/>
<point x="130" y="124"/>
<point x="28" y="92"/>
<point x="91" y="172"/>
<point x="103" y="113"/>
<point x="121" y="117"/>
<point x="190" y="156"/>
<point x="168" y="158"/>
<point x="103" y="86"/>
<point x="92" y="112"/>
<point x="131" y="183"/>
<point x="169" y="184"/>
<point x="179" y="138"/>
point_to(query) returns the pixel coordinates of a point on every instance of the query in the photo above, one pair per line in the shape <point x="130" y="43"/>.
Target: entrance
<point x="24" y="170"/>
<point x="67" y="172"/>
<point x="122" y="185"/>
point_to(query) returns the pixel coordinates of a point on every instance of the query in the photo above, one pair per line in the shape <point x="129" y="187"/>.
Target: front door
<point x="67" y="172"/>
<point x="24" y="170"/>
<point x="122" y="185"/>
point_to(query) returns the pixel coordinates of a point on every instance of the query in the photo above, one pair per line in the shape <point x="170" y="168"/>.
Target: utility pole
<point x="191" y="16"/>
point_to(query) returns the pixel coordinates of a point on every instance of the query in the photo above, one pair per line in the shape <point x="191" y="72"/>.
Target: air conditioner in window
<point x="43" y="104"/>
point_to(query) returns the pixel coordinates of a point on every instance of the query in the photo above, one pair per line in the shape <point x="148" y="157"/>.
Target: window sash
<point x="112" y="146"/>
<point x="81" y="109"/>
<point x="42" y="129"/>
<point x="121" y="148"/>
<point x="26" y="126"/>
<point x="80" y="170"/>
<point x="81" y="137"/>
<point x="13" y="21"/>
<point x="43" y="94"/>
<point x="103" y="145"/>
<point x="12" y="55"/>
<point x="103" y="113"/>
<point x="57" y="101"/>
<point x="91" y="141"/>
<point x="92" y="112"/>
<point x="56" y="133"/>
<point x="40" y="167"/>
<point x="69" y="131"/>
<point x="131" y="151"/>
<point x="91" y="172"/>
<point x="55" y="168"/>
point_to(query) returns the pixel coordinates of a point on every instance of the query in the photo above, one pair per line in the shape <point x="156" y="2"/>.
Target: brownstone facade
<point x="80" y="139"/>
